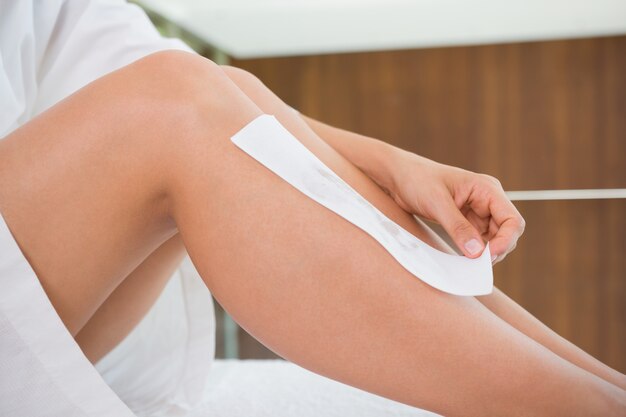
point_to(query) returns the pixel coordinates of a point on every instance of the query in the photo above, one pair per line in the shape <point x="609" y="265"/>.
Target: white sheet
<point x="276" y="388"/>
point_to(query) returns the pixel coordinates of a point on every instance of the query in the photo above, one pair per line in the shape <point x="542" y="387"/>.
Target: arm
<point x="471" y="207"/>
<point x="372" y="156"/>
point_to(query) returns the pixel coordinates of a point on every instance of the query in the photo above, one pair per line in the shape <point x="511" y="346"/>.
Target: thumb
<point x="465" y="236"/>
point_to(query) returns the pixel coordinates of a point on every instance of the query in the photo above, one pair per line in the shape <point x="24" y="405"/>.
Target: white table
<point x="272" y="28"/>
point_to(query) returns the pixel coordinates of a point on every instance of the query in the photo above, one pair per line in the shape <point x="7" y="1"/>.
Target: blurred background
<point x="533" y="93"/>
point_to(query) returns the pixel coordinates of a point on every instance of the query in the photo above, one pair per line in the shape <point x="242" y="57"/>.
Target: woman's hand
<point x="471" y="207"/>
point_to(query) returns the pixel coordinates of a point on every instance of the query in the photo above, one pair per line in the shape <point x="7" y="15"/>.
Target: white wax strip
<point x="267" y="141"/>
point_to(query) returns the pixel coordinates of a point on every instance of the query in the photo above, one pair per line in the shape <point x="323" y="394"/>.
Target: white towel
<point x="276" y="388"/>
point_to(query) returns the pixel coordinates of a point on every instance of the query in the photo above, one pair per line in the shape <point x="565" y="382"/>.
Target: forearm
<point x="372" y="156"/>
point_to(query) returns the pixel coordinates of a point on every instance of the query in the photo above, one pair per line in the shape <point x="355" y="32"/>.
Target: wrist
<point x="381" y="163"/>
<point x="394" y="166"/>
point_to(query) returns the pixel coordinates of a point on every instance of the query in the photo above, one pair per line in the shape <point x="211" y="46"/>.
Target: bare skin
<point x="130" y="301"/>
<point x="121" y="178"/>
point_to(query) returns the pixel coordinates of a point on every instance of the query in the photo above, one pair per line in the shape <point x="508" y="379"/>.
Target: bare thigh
<point x="83" y="186"/>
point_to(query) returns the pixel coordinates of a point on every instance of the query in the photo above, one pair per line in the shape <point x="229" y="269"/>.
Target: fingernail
<point x="493" y="258"/>
<point x="473" y="246"/>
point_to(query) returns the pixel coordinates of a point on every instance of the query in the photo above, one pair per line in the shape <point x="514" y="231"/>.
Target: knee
<point x="242" y="77"/>
<point x="256" y="90"/>
<point x="178" y="66"/>
<point x="177" y="91"/>
<point x="180" y="85"/>
<point x="183" y="78"/>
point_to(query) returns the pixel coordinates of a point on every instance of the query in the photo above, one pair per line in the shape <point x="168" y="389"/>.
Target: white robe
<point x="49" y="49"/>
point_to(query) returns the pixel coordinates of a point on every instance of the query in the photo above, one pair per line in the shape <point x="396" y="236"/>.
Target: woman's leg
<point x="130" y="301"/>
<point x="512" y="313"/>
<point x="497" y="302"/>
<point x="96" y="184"/>
<point x="84" y="186"/>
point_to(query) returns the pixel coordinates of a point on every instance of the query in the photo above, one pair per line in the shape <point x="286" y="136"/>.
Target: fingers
<point x="491" y="212"/>
<point x="480" y="223"/>
<point x="465" y="235"/>
<point x="505" y="238"/>
<point x="506" y="225"/>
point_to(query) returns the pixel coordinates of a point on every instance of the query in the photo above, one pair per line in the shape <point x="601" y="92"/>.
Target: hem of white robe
<point x="25" y="304"/>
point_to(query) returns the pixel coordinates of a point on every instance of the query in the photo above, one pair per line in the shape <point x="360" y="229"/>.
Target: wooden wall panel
<point x="536" y="115"/>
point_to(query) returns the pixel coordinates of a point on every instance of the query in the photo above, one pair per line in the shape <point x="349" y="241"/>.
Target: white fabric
<point x="42" y="370"/>
<point x="48" y="50"/>
<point x="275" y="388"/>
<point x="160" y="368"/>
<point x="51" y="48"/>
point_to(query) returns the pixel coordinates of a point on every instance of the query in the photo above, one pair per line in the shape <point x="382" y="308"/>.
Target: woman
<point x="106" y="189"/>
